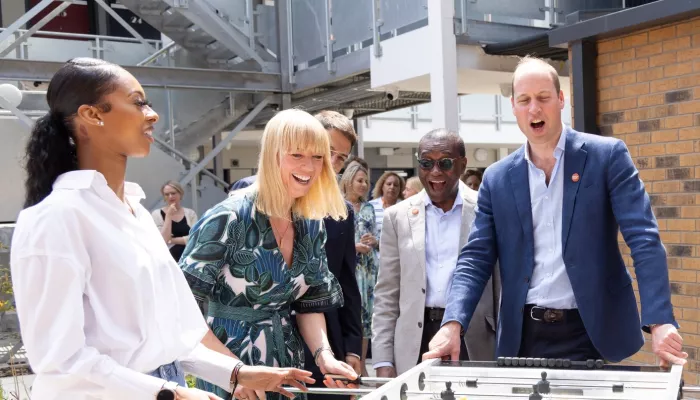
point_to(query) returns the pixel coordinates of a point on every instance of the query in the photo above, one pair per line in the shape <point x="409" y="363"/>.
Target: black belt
<point x="434" y="314"/>
<point x="550" y="315"/>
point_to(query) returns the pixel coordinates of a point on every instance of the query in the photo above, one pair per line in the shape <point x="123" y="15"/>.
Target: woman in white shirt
<point x="104" y="310"/>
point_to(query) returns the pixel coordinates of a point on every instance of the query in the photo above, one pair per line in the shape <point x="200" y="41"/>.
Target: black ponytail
<point x="50" y="153"/>
<point x="51" y="150"/>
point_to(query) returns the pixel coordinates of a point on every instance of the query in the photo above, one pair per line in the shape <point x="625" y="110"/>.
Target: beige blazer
<point x="399" y="296"/>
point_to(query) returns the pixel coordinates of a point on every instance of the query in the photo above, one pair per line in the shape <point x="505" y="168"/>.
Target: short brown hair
<point x="527" y="60"/>
<point x="335" y="120"/>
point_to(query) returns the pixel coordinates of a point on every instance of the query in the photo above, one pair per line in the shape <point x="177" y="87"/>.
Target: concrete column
<point x="502" y="153"/>
<point x="443" y="71"/>
<point x="359" y="130"/>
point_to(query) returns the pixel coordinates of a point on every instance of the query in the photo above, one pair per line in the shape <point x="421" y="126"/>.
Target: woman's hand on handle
<point x="271" y="379"/>
<point x="330" y="366"/>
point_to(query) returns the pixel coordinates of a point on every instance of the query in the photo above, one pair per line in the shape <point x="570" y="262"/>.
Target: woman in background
<point x="260" y="254"/>
<point x="105" y="312"/>
<point x="472" y="178"/>
<point x="387" y="192"/>
<point x="173" y="220"/>
<point x="354" y="185"/>
<point x="413" y="186"/>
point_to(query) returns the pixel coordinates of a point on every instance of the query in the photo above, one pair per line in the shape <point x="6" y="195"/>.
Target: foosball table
<point x="524" y="378"/>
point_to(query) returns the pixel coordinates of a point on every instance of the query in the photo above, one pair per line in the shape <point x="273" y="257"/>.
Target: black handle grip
<point x="548" y="363"/>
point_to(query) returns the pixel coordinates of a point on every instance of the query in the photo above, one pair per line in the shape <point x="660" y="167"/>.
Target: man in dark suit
<point x="343" y="325"/>
<point x="550" y="214"/>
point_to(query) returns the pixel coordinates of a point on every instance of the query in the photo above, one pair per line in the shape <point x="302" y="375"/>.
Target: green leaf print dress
<point x="233" y="262"/>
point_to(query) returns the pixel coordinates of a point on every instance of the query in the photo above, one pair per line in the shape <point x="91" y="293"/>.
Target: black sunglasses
<point x="445" y="164"/>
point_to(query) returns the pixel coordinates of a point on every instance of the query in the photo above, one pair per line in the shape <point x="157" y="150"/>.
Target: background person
<point x="173" y="220"/>
<point x="259" y="255"/>
<point x="105" y="313"/>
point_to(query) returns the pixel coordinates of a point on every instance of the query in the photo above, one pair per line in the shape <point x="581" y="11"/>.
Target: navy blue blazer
<point x="609" y="195"/>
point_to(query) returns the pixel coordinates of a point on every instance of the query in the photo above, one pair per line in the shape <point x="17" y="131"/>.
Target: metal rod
<point x="329" y="37"/>
<point x="157" y="54"/>
<point x="436" y="395"/>
<point x="464" y="17"/>
<point x="250" y="16"/>
<point x="85" y="36"/>
<point x="202" y="164"/>
<point x="376" y="34"/>
<point x="171" y="117"/>
<point x="290" y="43"/>
<point x="346" y="392"/>
<point x="691" y="389"/>
<point x="35" y="28"/>
<point x="190" y="162"/>
<point x="24" y="19"/>
<point x="123" y="23"/>
<point x="23" y="119"/>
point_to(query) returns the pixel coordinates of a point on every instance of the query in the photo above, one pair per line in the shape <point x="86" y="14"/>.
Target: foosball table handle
<point x="548" y="363"/>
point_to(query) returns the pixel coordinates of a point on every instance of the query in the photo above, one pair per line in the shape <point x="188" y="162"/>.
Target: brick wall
<point x="649" y="96"/>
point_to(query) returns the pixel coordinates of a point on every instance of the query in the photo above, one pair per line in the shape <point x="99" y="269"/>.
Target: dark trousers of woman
<point x="551" y="333"/>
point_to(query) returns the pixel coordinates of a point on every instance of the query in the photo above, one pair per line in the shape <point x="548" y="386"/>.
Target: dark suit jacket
<point x="343" y="325"/>
<point x="244" y="182"/>
<point x="607" y="196"/>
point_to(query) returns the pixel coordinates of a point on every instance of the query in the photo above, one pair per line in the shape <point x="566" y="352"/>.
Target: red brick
<point x="678" y="69"/>
<point x="608" y="46"/>
<point x="635" y="40"/>
<point x="663" y="85"/>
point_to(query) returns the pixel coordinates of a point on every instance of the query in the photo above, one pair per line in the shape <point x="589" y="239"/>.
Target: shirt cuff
<point x="382" y="364"/>
<point x="211" y="366"/>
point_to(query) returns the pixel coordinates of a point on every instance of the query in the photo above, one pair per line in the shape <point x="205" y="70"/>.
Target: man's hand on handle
<point x="446" y="342"/>
<point x="667" y="344"/>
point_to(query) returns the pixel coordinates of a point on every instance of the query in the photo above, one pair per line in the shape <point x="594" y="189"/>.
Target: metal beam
<point x="35" y="28"/>
<point x="188" y="161"/>
<point x="583" y="71"/>
<point x="157" y="54"/>
<point x="355" y="63"/>
<point x="173" y="78"/>
<point x="24" y="19"/>
<point x="27" y="122"/>
<point x="625" y="21"/>
<point x="123" y="23"/>
<point x="201" y="14"/>
<point x="286" y="44"/>
<point x="215" y="151"/>
<point x="484" y="32"/>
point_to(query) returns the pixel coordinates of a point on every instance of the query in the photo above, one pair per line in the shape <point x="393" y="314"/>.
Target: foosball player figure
<point x="447" y="394"/>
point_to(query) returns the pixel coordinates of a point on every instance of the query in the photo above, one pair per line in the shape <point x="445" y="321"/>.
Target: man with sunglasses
<point x="550" y="214"/>
<point x="420" y="242"/>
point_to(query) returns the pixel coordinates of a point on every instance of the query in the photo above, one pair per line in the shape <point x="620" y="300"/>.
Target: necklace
<point x="281" y="243"/>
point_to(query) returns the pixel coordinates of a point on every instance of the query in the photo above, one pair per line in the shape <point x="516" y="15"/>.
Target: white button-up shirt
<point x="550" y="285"/>
<point x="442" y="230"/>
<point x="100" y="299"/>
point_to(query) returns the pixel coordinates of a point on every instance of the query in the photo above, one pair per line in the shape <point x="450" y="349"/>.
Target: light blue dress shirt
<point x="442" y="231"/>
<point x="550" y="285"/>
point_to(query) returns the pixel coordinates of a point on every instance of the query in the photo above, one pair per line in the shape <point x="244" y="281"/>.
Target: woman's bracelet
<point x="319" y="351"/>
<point x="234" y="376"/>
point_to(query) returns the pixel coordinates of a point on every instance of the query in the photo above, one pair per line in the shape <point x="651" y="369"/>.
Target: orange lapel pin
<point x="575" y="177"/>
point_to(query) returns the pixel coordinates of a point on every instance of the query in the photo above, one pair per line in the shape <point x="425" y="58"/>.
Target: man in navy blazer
<point x="549" y="213"/>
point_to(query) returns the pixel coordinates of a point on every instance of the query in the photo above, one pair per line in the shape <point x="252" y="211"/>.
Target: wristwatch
<point x="167" y="392"/>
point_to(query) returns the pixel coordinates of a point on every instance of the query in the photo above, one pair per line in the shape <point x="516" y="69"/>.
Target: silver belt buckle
<point x="533" y="309"/>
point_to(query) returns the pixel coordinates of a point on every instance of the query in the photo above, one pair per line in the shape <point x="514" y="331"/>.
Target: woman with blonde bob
<point x="259" y="255"/>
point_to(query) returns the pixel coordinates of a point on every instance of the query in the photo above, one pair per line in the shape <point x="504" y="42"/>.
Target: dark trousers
<point x="553" y="337"/>
<point x="431" y="325"/>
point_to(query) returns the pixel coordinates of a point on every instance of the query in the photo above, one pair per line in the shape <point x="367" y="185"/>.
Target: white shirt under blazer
<point x="100" y="300"/>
